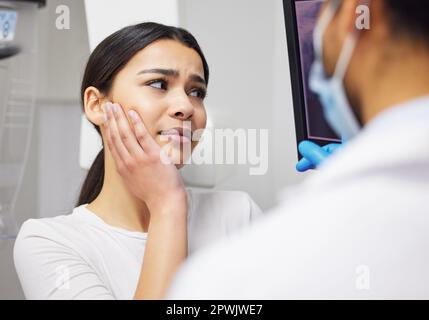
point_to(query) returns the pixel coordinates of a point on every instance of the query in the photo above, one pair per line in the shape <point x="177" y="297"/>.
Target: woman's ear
<point x="94" y="101"/>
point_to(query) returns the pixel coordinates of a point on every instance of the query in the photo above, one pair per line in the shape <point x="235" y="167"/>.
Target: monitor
<point x="300" y="20"/>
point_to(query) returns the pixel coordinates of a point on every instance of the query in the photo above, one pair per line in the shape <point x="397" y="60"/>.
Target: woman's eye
<point x="158" y="84"/>
<point x="199" y="93"/>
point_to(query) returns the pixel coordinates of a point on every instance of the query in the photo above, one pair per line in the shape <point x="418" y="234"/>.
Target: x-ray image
<point x="306" y="17"/>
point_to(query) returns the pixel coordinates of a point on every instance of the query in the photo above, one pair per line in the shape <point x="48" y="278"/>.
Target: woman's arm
<point x="165" y="250"/>
<point x="138" y="159"/>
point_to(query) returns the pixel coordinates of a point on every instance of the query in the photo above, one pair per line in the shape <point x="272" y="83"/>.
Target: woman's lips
<point x="180" y="135"/>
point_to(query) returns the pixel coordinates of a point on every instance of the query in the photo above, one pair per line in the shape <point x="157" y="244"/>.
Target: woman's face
<point x="164" y="83"/>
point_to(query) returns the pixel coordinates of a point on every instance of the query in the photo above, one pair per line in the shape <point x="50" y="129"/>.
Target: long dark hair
<point x="108" y="58"/>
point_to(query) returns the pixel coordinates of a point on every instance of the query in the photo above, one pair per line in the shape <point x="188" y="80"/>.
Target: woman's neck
<point x="117" y="206"/>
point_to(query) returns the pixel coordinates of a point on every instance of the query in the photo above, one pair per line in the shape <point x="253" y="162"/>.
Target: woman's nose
<point x="181" y="108"/>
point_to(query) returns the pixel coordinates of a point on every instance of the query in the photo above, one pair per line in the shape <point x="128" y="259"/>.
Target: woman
<point x="134" y="222"/>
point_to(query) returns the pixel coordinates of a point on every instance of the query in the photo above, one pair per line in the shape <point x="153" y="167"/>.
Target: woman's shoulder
<point x="61" y="230"/>
<point x="55" y="224"/>
<point x="48" y="249"/>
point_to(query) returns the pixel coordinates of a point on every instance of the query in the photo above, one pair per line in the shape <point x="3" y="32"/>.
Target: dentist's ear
<point x="94" y="102"/>
<point x="347" y="16"/>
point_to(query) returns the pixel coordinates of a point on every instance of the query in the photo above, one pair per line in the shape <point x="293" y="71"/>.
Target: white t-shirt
<point x="79" y="256"/>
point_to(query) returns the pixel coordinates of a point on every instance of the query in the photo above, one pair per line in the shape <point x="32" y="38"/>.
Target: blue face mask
<point x="332" y="95"/>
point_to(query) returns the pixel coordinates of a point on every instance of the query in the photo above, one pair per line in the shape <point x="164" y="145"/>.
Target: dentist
<point x="359" y="227"/>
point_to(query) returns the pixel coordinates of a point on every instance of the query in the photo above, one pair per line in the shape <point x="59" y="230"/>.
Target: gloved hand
<point x="314" y="155"/>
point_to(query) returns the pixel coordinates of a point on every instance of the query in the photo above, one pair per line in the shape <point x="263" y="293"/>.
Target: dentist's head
<point x="370" y="55"/>
<point x="158" y="71"/>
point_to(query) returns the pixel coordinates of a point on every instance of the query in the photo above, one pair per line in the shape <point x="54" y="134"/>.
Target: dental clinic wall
<point x="52" y="176"/>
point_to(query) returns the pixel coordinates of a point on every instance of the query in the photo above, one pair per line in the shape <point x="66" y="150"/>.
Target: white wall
<point x="62" y="57"/>
<point x="106" y="16"/>
<point x="52" y="176"/>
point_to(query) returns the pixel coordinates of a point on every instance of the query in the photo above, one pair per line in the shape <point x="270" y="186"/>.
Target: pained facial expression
<point x="164" y="83"/>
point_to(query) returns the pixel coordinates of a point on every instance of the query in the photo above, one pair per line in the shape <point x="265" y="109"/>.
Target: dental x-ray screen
<point x="300" y="18"/>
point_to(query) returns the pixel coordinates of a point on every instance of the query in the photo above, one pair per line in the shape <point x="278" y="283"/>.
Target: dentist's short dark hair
<point x="409" y="17"/>
<point x="108" y="58"/>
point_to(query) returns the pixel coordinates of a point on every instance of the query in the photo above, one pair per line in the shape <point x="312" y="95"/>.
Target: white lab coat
<point x="357" y="228"/>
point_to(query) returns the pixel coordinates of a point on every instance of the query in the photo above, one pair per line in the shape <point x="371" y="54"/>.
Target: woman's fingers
<point x="126" y="134"/>
<point x="110" y="145"/>
<point x="116" y="147"/>
<point x="144" y="138"/>
<point x="129" y="145"/>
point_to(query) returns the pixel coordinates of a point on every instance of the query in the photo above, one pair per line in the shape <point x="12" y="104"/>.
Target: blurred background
<point x="245" y="44"/>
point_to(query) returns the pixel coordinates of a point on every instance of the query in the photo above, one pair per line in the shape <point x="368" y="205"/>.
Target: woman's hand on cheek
<point x="141" y="162"/>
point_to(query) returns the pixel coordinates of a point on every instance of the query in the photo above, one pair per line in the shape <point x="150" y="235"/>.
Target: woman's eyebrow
<point x="173" y="73"/>
<point x="198" y="79"/>
<point x="166" y="72"/>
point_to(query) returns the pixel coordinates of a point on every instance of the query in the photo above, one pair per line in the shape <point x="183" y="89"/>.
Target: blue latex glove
<point x="314" y="155"/>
